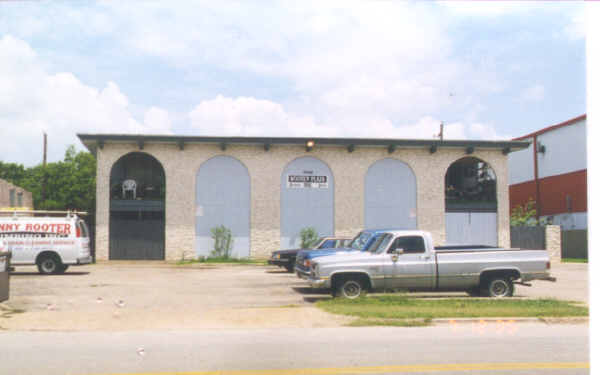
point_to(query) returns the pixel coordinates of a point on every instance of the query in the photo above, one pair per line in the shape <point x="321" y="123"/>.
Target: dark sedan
<point x="287" y="258"/>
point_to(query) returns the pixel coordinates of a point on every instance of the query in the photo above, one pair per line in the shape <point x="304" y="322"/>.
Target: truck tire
<point x="498" y="287"/>
<point x="350" y="288"/>
<point x="49" y="264"/>
<point x="63" y="268"/>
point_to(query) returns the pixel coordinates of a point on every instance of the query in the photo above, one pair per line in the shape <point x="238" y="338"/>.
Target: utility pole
<point x="44" y="178"/>
<point x="441" y="134"/>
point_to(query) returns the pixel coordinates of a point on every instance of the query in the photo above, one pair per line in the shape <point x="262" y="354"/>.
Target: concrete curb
<point x="547" y="320"/>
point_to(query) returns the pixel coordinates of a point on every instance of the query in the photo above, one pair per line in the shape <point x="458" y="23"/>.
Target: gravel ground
<point x="158" y="295"/>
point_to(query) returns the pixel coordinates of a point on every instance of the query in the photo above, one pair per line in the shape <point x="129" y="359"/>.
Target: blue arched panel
<point x="223" y="198"/>
<point x="307" y="188"/>
<point x="390" y="195"/>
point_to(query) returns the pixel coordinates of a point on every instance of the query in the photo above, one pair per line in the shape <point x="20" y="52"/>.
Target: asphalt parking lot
<point x="159" y="295"/>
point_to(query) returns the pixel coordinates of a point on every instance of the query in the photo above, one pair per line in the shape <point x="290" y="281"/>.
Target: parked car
<point x="287" y="258"/>
<point x="408" y="260"/>
<point x="51" y="243"/>
<point x="359" y="243"/>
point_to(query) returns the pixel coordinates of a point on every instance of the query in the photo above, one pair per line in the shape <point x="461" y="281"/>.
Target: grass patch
<point x="573" y="260"/>
<point x="401" y="307"/>
<point x="390" y="322"/>
<point x="221" y="260"/>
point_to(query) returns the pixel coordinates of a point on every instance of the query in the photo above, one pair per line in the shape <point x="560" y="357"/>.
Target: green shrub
<point x="308" y="237"/>
<point x="223" y="241"/>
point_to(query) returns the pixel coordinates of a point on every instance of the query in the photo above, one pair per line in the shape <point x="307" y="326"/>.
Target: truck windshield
<point x="383" y="243"/>
<point x="360" y="241"/>
<point x="374" y="243"/>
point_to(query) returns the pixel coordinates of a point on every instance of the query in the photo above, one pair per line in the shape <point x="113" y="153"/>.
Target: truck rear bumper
<point x="84" y="260"/>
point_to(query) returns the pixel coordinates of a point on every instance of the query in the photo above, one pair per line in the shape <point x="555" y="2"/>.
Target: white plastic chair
<point x="129" y="185"/>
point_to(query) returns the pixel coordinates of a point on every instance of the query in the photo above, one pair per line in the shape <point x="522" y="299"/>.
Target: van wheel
<point x="350" y="288"/>
<point x="49" y="264"/>
<point x="499" y="287"/>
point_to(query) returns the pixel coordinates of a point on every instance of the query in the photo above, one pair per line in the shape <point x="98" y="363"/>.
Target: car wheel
<point x="499" y="287"/>
<point x="350" y="288"/>
<point x="49" y="264"/>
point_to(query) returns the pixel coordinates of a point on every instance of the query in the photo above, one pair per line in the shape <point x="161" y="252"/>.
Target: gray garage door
<point x="390" y="195"/>
<point x="306" y="200"/>
<point x="223" y="198"/>
<point x="474" y="228"/>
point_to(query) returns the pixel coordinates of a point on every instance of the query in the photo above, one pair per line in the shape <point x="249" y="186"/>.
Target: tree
<point x="525" y="215"/>
<point x="71" y="183"/>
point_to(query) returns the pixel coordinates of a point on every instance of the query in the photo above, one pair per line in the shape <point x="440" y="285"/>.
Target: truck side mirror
<point x="398" y="251"/>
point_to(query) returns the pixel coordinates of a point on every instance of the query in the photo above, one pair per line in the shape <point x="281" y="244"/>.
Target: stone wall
<point x="265" y="168"/>
<point x="553" y="242"/>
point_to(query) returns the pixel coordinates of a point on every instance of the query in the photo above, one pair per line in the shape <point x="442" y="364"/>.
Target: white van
<point x="51" y="243"/>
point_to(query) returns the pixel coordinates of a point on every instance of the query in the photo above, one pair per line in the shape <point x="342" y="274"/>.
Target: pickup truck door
<point x="413" y="268"/>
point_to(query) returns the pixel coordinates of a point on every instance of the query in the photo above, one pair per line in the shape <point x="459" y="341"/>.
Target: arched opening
<point x="390" y="195"/>
<point x="137" y="208"/>
<point x="307" y="196"/>
<point x="471" y="203"/>
<point x="223" y="198"/>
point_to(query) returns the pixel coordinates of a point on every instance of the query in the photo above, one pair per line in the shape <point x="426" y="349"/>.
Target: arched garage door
<point x="137" y="208"/>
<point x="390" y="195"/>
<point x="306" y="200"/>
<point x="471" y="203"/>
<point x="223" y="198"/>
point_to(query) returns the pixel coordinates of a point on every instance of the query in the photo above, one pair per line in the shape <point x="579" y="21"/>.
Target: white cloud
<point x="33" y="101"/>
<point x="246" y="116"/>
<point x="533" y="93"/>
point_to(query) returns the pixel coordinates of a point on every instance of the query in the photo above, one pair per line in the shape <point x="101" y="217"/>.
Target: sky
<point x="488" y="70"/>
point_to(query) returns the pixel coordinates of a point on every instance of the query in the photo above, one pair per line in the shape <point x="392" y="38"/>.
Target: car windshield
<point x="360" y="241"/>
<point x="382" y="243"/>
<point x="316" y="243"/>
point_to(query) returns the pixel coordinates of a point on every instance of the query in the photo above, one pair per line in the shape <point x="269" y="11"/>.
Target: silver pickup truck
<point x="408" y="260"/>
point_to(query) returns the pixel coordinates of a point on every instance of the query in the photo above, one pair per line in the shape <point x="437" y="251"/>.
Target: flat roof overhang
<point x="95" y="141"/>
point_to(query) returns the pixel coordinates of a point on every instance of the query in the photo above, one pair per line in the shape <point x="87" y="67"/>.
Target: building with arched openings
<point x="159" y="197"/>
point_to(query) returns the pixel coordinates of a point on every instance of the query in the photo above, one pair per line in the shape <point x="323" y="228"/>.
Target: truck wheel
<point x="499" y="287"/>
<point x="63" y="268"/>
<point x="289" y="267"/>
<point x="350" y="288"/>
<point x="49" y="264"/>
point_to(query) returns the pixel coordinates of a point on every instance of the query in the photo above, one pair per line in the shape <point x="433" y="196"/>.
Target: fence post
<point x="553" y="242"/>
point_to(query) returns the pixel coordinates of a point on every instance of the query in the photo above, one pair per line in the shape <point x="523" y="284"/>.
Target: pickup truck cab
<point x="51" y="243"/>
<point x="408" y="260"/>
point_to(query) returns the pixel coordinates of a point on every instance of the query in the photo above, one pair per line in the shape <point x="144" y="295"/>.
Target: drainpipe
<point x="538" y="203"/>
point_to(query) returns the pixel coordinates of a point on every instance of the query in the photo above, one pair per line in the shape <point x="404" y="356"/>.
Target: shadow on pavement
<point x="316" y="299"/>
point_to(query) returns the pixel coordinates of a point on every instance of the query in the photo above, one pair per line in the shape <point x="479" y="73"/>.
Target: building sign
<point x="309" y="182"/>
